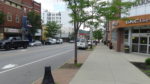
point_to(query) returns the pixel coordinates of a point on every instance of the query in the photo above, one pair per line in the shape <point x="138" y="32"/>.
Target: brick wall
<point x="7" y="9"/>
<point x="120" y="38"/>
<point x="27" y="2"/>
<point x="37" y="7"/>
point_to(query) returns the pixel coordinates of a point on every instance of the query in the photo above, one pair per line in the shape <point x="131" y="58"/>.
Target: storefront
<point x="9" y="32"/>
<point x="134" y="33"/>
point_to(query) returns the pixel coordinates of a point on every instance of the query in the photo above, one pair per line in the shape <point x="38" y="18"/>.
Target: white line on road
<point x="8" y="66"/>
<point x="35" y="61"/>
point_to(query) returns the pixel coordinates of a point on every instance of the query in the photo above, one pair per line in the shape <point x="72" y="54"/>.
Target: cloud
<point x="52" y="5"/>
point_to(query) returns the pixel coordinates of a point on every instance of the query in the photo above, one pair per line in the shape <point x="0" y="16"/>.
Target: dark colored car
<point x="13" y="42"/>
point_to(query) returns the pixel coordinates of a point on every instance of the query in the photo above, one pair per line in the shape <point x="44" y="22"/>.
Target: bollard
<point x="48" y="78"/>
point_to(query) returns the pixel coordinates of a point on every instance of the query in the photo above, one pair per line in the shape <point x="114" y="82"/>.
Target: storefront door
<point x="141" y="44"/>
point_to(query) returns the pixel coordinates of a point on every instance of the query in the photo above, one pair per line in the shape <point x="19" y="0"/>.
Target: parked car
<point x="82" y="43"/>
<point x="50" y="41"/>
<point x="71" y="41"/>
<point x="35" y="43"/>
<point x="59" y="41"/>
<point x="89" y="43"/>
<point x="13" y="42"/>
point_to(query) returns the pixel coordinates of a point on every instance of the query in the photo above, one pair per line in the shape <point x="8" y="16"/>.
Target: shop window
<point x="134" y="48"/>
<point x="114" y="35"/>
<point x="145" y="31"/>
<point x="135" y="40"/>
<point x="135" y="31"/>
<point x="143" y="48"/>
<point x="143" y="40"/>
<point x="126" y="32"/>
<point x="9" y="17"/>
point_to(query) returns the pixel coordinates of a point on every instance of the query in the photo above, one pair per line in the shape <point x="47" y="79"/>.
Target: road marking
<point x="8" y="66"/>
<point x="27" y="64"/>
<point x="30" y="51"/>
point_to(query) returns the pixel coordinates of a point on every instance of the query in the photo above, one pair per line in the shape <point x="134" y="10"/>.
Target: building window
<point x="17" y="19"/>
<point x="9" y="17"/>
<point x="25" y="10"/>
<point x="114" y="36"/>
<point x="126" y="35"/>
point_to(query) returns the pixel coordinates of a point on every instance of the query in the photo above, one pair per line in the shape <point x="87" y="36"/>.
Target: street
<point x="23" y="66"/>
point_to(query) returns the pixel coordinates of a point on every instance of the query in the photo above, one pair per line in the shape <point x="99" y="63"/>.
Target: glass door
<point x="135" y="44"/>
<point x="143" y="44"/>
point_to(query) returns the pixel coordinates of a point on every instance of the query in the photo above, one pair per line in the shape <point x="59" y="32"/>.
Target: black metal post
<point x="48" y="78"/>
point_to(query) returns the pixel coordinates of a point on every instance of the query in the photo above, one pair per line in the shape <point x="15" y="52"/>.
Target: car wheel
<point x="16" y="47"/>
<point x="25" y="46"/>
<point x="7" y="47"/>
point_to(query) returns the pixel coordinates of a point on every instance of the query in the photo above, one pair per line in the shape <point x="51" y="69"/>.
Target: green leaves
<point x="112" y="11"/>
<point x="2" y="17"/>
<point x="97" y="34"/>
<point x="35" y="21"/>
<point x="52" y="29"/>
<point x="78" y="14"/>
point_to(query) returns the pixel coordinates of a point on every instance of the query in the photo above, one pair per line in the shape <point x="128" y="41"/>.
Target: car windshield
<point x="82" y="40"/>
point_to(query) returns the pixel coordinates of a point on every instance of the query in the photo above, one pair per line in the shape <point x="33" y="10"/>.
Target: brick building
<point x="15" y="11"/>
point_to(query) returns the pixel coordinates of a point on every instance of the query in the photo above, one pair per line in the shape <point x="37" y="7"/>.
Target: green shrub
<point x="147" y="61"/>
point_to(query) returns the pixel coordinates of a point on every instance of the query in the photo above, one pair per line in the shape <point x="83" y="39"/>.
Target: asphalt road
<point x="23" y="66"/>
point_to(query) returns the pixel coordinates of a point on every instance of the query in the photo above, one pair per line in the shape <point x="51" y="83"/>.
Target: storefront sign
<point x="137" y="21"/>
<point x="11" y="30"/>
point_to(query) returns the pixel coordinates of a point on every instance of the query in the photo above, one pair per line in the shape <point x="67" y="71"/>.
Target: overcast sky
<point x="52" y="5"/>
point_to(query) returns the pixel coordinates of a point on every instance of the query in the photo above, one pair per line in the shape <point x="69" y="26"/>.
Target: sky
<point x="52" y="5"/>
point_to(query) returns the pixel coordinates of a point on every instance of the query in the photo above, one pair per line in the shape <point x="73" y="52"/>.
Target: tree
<point x="79" y="16"/>
<point x="97" y="34"/>
<point x="52" y="28"/>
<point x="104" y="9"/>
<point x="35" y="22"/>
<point x="2" y="17"/>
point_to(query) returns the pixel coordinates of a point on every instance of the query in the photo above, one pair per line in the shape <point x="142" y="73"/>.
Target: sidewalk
<point x="105" y="66"/>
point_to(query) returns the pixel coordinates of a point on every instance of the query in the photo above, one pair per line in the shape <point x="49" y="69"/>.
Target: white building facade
<point x="61" y="18"/>
<point x="51" y="16"/>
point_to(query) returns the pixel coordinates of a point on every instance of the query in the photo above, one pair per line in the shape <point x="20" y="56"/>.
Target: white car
<point x="59" y="41"/>
<point x="35" y="43"/>
<point x="50" y="41"/>
<point x="82" y="43"/>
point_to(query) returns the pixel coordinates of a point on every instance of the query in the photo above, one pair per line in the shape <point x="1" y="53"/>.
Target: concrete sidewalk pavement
<point x="105" y="66"/>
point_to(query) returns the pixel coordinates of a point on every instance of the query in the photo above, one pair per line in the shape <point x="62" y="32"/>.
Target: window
<point x="135" y="31"/>
<point x="9" y="17"/>
<point x="17" y="19"/>
<point x="126" y="35"/>
<point x="25" y="10"/>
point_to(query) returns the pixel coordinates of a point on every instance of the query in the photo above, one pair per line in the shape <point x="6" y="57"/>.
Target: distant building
<point x="61" y="18"/>
<point x="51" y="16"/>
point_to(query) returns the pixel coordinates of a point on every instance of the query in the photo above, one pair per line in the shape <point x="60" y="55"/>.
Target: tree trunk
<point x="76" y="51"/>
<point x="75" y="44"/>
